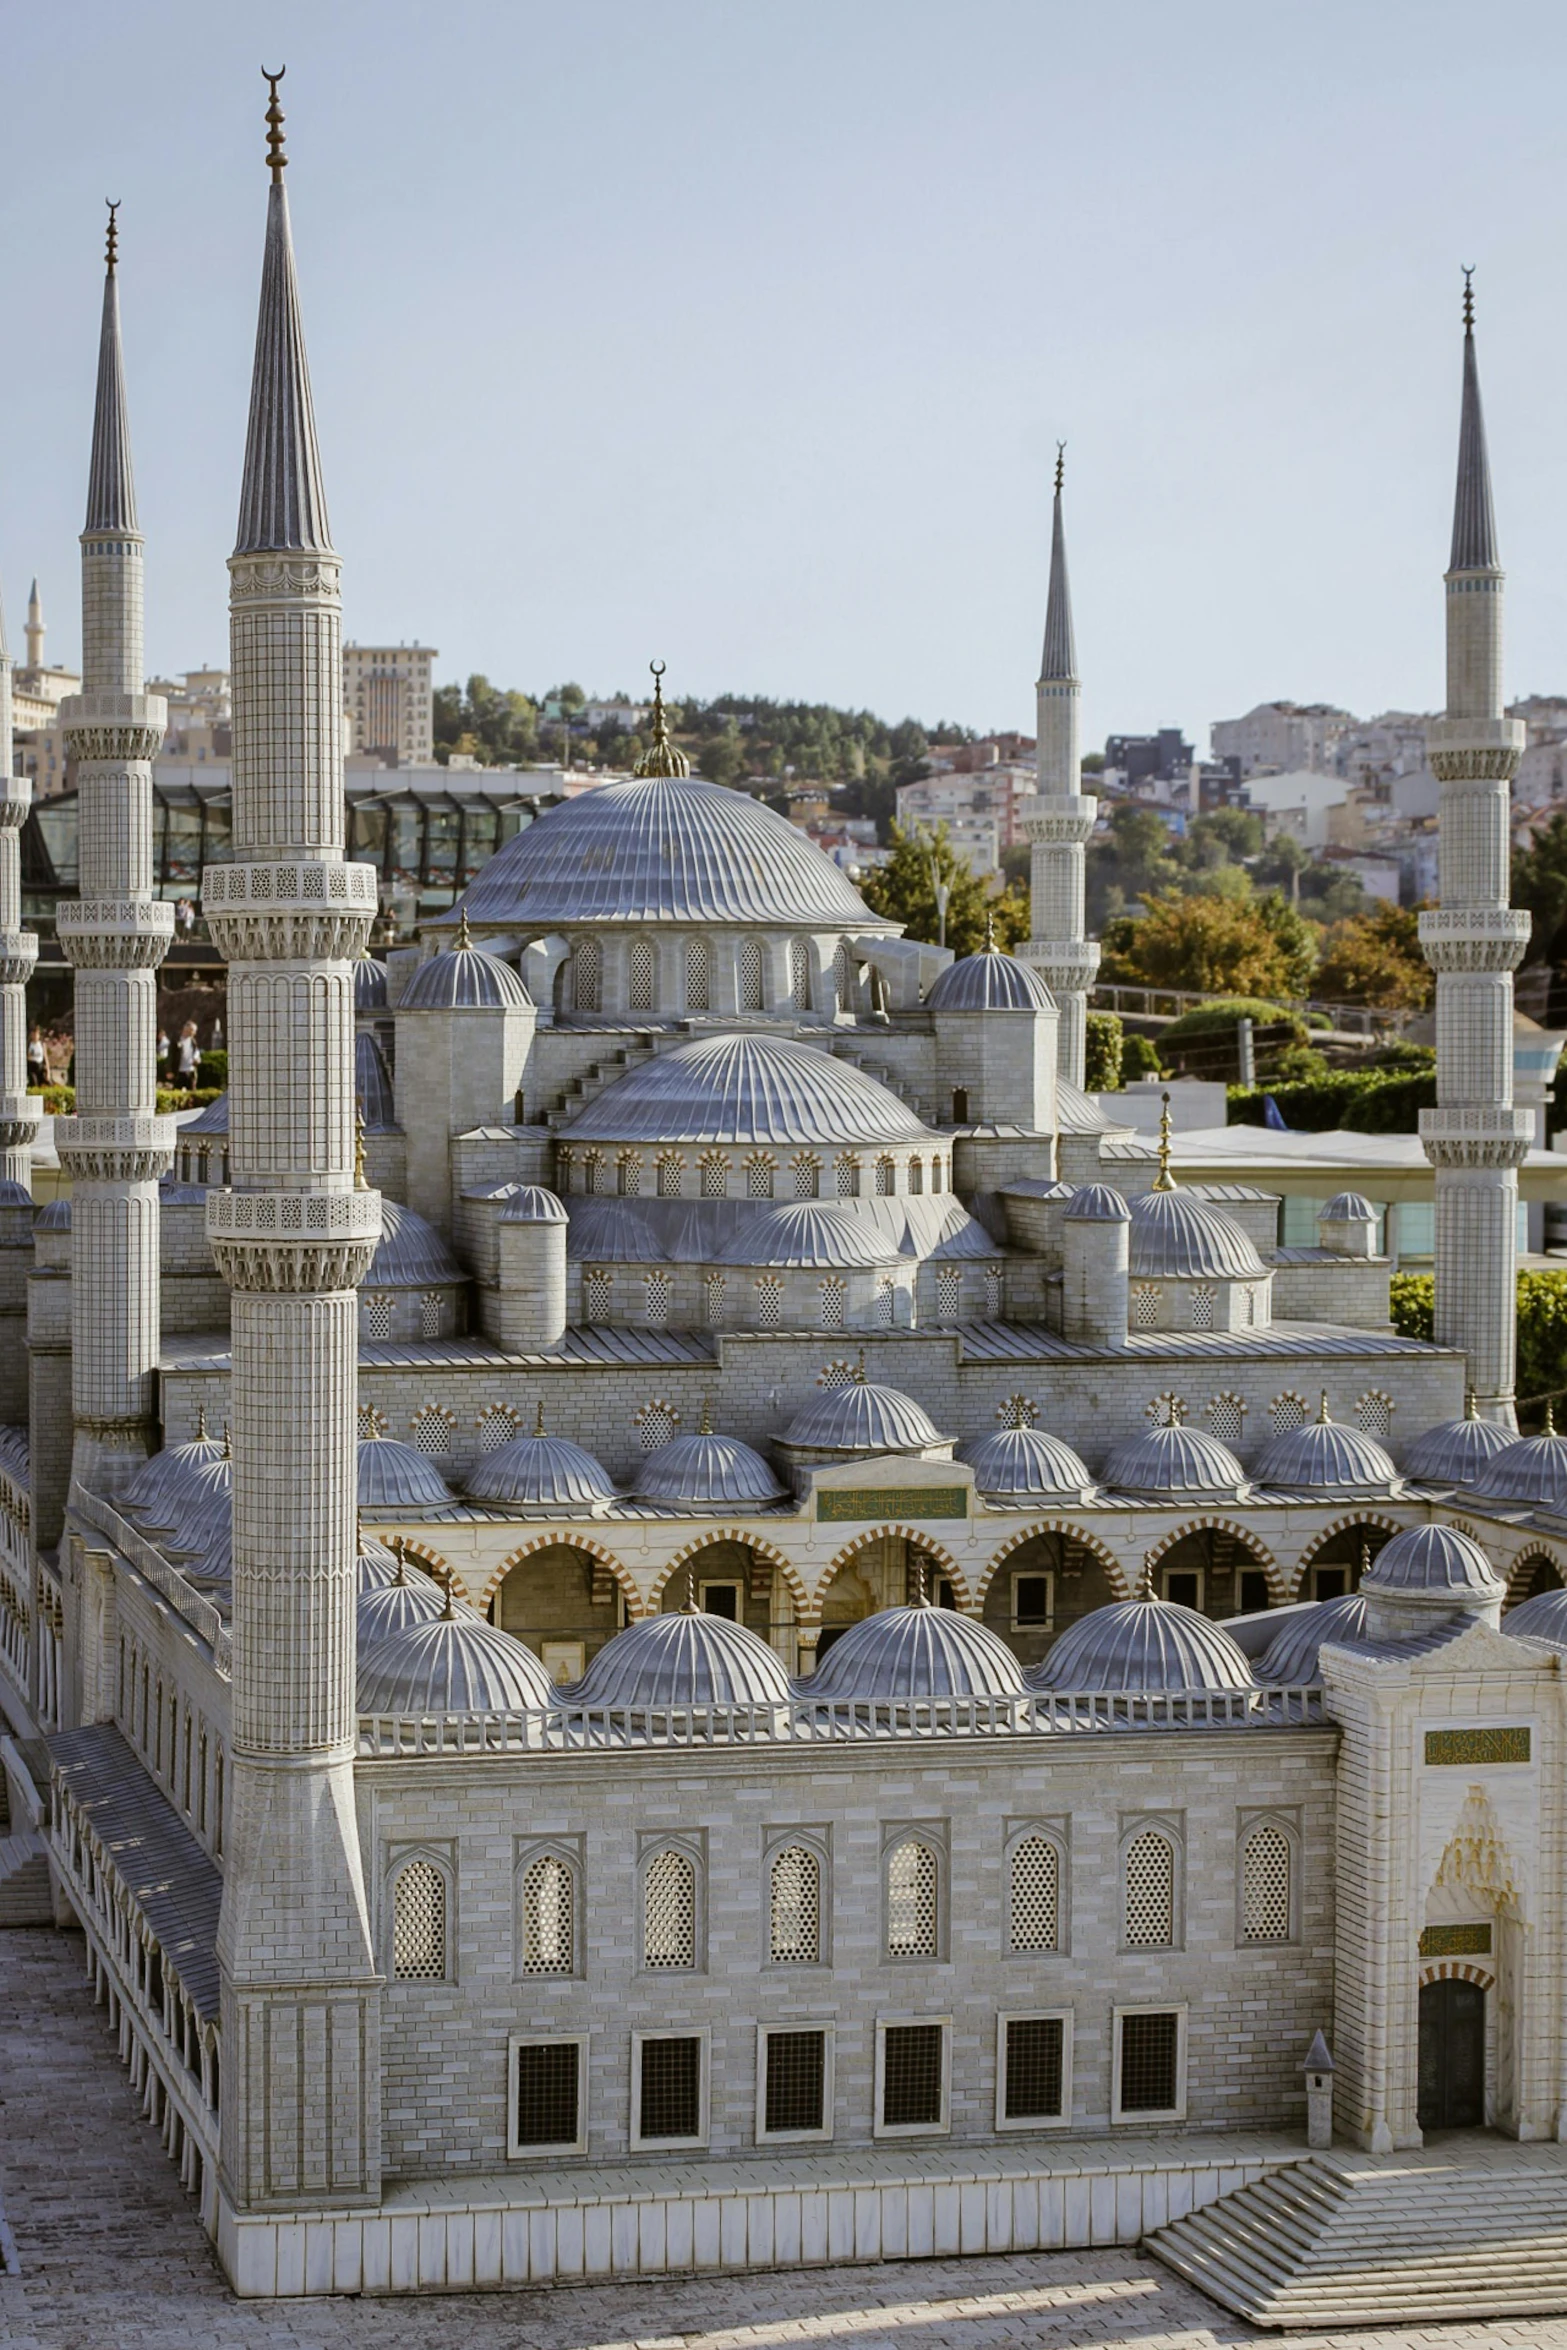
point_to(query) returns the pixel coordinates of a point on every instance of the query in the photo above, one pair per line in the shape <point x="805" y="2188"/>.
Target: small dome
<point x="685" y="1659"/>
<point x="746" y="1088"/>
<point x="1542" y="1618"/>
<point x="396" y="1476"/>
<point x="13" y="1194"/>
<point x="373" y="1086"/>
<point x="410" y="1253"/>
<point x="540" y="1472"/>
<point x="990" y="982"/>
<point x="1290" y="1660"/>
<point x="369" y="985"/>
<point x="170" y="1472"/>
<point x="863" y="1417"/>
<point x="375" y="1566"/>
<point x="1325" y="1458"/>
<point x="1178" y="1238"/>
<point x="1077" y="1112"/>
<point x="451" y="1664"/>
<point x="1144" y="1644"/>
<point x="1097" y="1203"/>
<point x="1436" y="1560"/>
<point x="1531" y="1471"/>
<point x="706" y="1471"/>
<point x="811" y="1233"/>
<point x="56" y="1217"/>
<point x="1348" y="1207"/>
<point x="1173" y="1461"/>
<point x="188" y="1501"/>
<point x="1456" y="1452"/>
<point x="530" y="1203"/>
<point x="172" y="1193"/>
<point x="392" y="1607"/>
<point x="1025" y="1464"/>
<point x="915" y="1652"/>
<point x="464" y="979"/>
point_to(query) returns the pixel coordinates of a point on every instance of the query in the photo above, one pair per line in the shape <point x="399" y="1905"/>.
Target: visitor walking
<point x="188" y="1056"/>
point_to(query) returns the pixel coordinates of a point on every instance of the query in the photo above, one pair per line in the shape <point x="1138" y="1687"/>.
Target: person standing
<point x="37" y="1060"/>
<point x="188" y="1056"/>
<point x="163" y="1051"/>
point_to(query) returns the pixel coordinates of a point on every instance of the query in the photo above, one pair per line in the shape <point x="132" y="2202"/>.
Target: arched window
<point x="759" y="1172"/>
<point x="995" y="1292"/>
<point x="699" y="975"/>
<point x="769" y="1302"/>
<point x="419" y="1923"/>
<point x="1034" y="1915"/>
<point x="1374" y="1413"/>
<point x="548" y="1917"/>
<point x="656" y="1295"/>
<point x="433" y="1430"/>
<point x="715" y="1175"/>
<point x="794" y="1922"/>
<point x="1148" y="1884"/>
<point x="430" y="1314"/>
<point x="598" y="1291"/>
<point x="886" y="1304"/>
<point x="378" y="1317"/>
<point x="843" y="976"/>
<point x="713" y="1298"/>
<point x="848" y="1173"/>
<point x="496" y="1426"/>
<point x="657" y="1423"/>
<point x="913" y="1918"/>
<point x="1286" y="1411"/>
<point x="916" y="1174"/>
<point x="670" y="1171"/>
<point x="1266" y="1887"/>
<point x="669" y="1911"/>
<point x="800" y="974"/>
<point x="807" y="1177"/>
<point x="1204" y="1300"/>
<point x="1147" y="1298"/>
<point x="1226" y="1418"/>
<point x="643" y="965"/>
<point x="886" y="1177"/>
<point x="949" y="1293"/>
<point x="587" y="975"/>
<point x="628" y="1170"/>
<point x="750" y="975"/>
<point x="835" y="1294"/>
<point x="592" y="1167"/>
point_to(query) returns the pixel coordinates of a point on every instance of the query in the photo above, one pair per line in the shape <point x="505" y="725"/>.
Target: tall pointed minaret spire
<point x="1061" y="818"/>
<point x="1475" y="1139"/>
<point x="18" y="953"/>
<point x="115" y="935"/>
<point x="34" y="633"/>
<point x="292" y="1236"/>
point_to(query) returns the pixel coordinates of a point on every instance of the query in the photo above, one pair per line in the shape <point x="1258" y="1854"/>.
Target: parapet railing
<point x="203" y="1617"/>
<point x="578" y="1729"/>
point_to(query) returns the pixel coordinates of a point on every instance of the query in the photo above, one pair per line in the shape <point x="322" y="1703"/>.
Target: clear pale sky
<point x="741" y="334"/>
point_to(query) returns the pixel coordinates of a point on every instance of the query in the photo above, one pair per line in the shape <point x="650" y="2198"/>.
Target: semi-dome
<point x="707" y="1472"/>
<point x="1173" y="1462"/>
<point x="392" y="1607"/>
<point x="410" y="1253"/>
<point x="810" y="1233"/>
<point x="745" y="1089"/>
<point x="396" y="1476"/>
<point x="369" y="985"/>
<point x="530" y="1203"/>
<point x="156" y="1485"/>
<point x="1144" y="1644"/>
<point x="1095" y="1203"/>
<point x="1530" y="1472"/>
<point x="1178" y="1238"/>
<point x="664" y="849"/>
<point x="1078" y="1113"/>
<point x="1025" y="1464"/>
<point x="919" y="1651"/>
<point x="1433" y="1560"/>
<point x="990" y="981"/>
<point x="1290" y="1659"/>
<point x="1456" y="1452"/>
<point x="862" y="1417"/>
<point x="1325" y="1458"/>
<point x="453" y="1663"/>
<point x="463" y="978"/>
<point x="373" y="1086"/>
<point x="1542" y="1618"/>
<point x="540" y="1472"/>
<point x="685" y="1659"/>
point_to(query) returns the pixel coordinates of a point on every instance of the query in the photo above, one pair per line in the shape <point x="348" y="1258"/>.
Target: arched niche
<point x="1536" y="1572"/>
<point x="1214" y="1570"/>
<point x="564" y="1603"/>
<point x="886" y="1569"/>
<point x="728" y="1578"/>
<point x="1334" y="1567"/>
<point x="1046" y="1583"/>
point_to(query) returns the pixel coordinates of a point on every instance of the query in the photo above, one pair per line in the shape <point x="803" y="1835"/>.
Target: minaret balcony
<point x="18" y="1120"/>
<point x="1064" y="820"/>
<point x="1474" y="938"/>
<point x="1474" y="750"/>
<point x="298" y="1243"/>
<point x="115" y="1147"/>
<point x="18" y="954"/>
<point x="1481" y="1134"/>
<point x="114" y="934"/>
<point x="114" y="727"/>
<point x="1068" y="966"/>
<point x="309" y="910"/>
<point x="16" y="798"/>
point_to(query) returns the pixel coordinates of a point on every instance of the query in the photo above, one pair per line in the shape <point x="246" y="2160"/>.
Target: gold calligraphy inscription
<point x="1490" y="1745"/>
<point x="833" y="1508"/>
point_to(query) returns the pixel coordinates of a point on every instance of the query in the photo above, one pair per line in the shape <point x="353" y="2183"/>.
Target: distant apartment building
<point x="389" y="692"/>
<point x="1138" y="759"/>
<point x="1279" y="738"/>
<point x="981" y="808"/>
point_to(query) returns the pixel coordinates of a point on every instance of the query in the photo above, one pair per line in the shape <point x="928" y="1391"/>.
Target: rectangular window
<point x="1033" y="2071"/>
<point x="548" y="2096"/>
<point x="794" y="2092"/>
<point x="1031" y="1601"/>
<point x="1150" y="2064"/>
<point x="912" y="2081"/>
<point x="669" y="2090"/>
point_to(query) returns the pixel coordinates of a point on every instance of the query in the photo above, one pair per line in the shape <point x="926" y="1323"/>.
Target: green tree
<point x="1375" y="959"/>
<point x="722" y="758"/>
<point x="904" y="891"/>
<point x="1209" y="945"/>
<point x="1223" y="836"/>
<point x="1540" y="887"/>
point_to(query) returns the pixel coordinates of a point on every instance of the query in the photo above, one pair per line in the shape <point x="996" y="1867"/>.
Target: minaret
<point x="1475" y="1139"/>
<point x="1061" y="819"/>
<point x="35" y="630"/>
<point x="292" y="1236"/>
<point x="114" y="935"/>
<point x="18" y="953"/>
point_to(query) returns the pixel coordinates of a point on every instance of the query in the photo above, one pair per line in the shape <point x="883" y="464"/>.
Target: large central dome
<point x="664" y="848"/>
<point x="746" y="1089"/>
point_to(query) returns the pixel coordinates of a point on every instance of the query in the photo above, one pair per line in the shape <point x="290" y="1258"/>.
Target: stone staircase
<point x="596" y="1078"/>
<point x="24" y="1880"/>
<point x="1470" y="2227"/>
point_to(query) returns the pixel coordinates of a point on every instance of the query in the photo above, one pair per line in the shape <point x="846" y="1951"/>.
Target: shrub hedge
<point x="1542" y="1326"/>
<point x="1363" y="1101"/>
<point x="1103" y="1043"/>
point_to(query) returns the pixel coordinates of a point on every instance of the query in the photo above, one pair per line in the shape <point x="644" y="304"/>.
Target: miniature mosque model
<point x="659" y="1602"/>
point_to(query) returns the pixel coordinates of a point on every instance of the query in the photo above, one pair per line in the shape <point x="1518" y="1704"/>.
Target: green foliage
<point x="1212" y="946"/>
<point x="59" y="1100"/>
<point x="1361" y="1101"/>
<point x="1219" y="1018"/>
<point x="1139" y="1058"/>
<point x="215" y="1068"/>
<point x="1375" y="959"/>
<point x="1542" y="1325"/>
<point x="1104" y="1044"/>
<point x="1540" y="887"/>
<point x="903" y="890"/>
<point x="1224" y="835"/>
<point x="485" y="722"/>
<point x="1412" y="1305"/>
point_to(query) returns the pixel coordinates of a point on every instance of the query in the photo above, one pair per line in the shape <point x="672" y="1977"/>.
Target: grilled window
<point x="699" y="976"/>
<point x="497" y="1426"/>
<point x="913" y="1921"/>
<point x="759" y="1173"/>
<point x="715" y="1176"/>
<point x="587" y="981"/>
<point x="670" y="1171"/>
<point x="1226" y="1418"/>
<point x="548" y="2089"/>
<point x="430" y="1314"/>
<point x="432" y="1431"/>
<point x="1146" y="1299"/>
<point x="807" y="1178"/>
<point x="378" y="1317"/>
<point x="655" y="1299"/>
<point x="886" y="1178"/>
<point x="1265" y="1885"/>
<point x="750" y="975"/>
<point x="669" y="1911"/>
<point x="592" y="1168"/>
<point x="656" y="1424"/>
<point x="1205" y="1300"/>
<point x="886" y="1297"/>
<point x="671" y="2088"/>
<point x="949" y="1294"/>
<point x="628" y="1167"/>
<point x="419" y="1924"/>
<point x="916" y="1174"/>
<point x="794" y="1935"/>
<point x="1285" y="1412"/>
<point x="834" y="1298"/>
<point x="994" y="1292"/>
<point x="800" y="974"/>
<point x="1150" y="2054"/>
<point x="848" y="1172"/>
<point x="795" y="2083"/>
<point x="598" y="1289"/>
<point x="713" y="1297"/>
<point x="1149" y="1890"/>
<point x="1035" y="1909"/>
<point x="769" y="1303"/>
<point x="548" y="1919"/>
<point x="642" y="966"/>
<point x="911" y="2080"/>
<point x="843" y="976"/>
<point x="1035" y="2068"/>
<point x="1374" y="1414"/>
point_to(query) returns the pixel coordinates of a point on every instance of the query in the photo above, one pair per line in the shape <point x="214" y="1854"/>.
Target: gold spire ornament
<point x="359" y="1147"/>
<point x="464" y="934"/>
<point x="277" y="161"/>
<point x="113" y="244"/>
<point x="538" y="1425"/>
<point x="661" y="757"/>
<point x="1323" y="1414"/>
<point x="706" y="1428"/>
<point x="1060" y="465"/>
<point x="990" y="931"/>
<point x="1469" y="296"/>
<point x="1164" y="1180"/>
<point x="201" y="1423"/>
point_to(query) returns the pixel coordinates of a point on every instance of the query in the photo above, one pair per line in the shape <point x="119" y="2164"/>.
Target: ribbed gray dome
<point x="190" y="1501"/>
<point x="1529" y="1472"/>
<point x="809" y="1233"/>
<point x="375" y="1566"/>
<point x="685" y="1659"/>
<point x="1433" y="1559"/>
<point x="214" y="1119"/>
<point x="915" y="1652"/>
<point x="1097" y="1203"/>
<point x="373" y="1086"/>
<point x="410" y="1253"/>
<point x="1325" y="1458"/>
<point x="1025" y="1464"/>
<point x="705" y="1472"/>
<point x="396" y="1476"/>
<point x="863" y="1417"/>
<point x="1347" y="1207"/>
<point x="1178" y="1238"/>
<point x="540" y="1472"/>
<point x="1456" y="1452"/>
<point x="1145" y="1644"/>
<point x="392" y="1607"/>
<point x="664" y="849"/>
<point x="530" y="1203"/>
<point x="369" y="985"/>
<point x="451" y="1664"/>
<point x="1542" y="1618"/>
<point x="746" y="1089"/>
<point x="990" y="982"/>
<point x="463" y="979"/>
<point x="1290" y="1660"/>
<point x="1173" y="1461"/>
<point x="1077" y="1112"/>
<point x="56" y="1217"/>
<point x="168" y="1474"/>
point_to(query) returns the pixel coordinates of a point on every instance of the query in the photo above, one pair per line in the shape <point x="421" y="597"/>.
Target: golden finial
<point x="661" y="756"/>
<point x="859" y="1370"/>
<point x="538" y="1425"/>
<point x="1365" y="1558"/>
<point x="1145" y="1589"/>
<point x="112" y="246"/>
<point x="921" y="1595"/>
<point x="201" y="1423"/>
<point x="228" y="1449"/>
<point x="448" y="1612"/>
<point x="1164" y="1180"/>
<point x="464" y="934"/>
<point x="1550" y="1417"/>
<point x="400" y="1554"/>
<point x="277" y="161"/>
<point x="691" y="1607"/>
<point x="1469" y="297"/>
<point x="359" y="1147"/>
<point x="1471" y="1404"/>
<point x="1060" y="465"/>
<point x="1323" y="1414"/>
<point x="706" y="1428"/>
<point x="990" y="930"/>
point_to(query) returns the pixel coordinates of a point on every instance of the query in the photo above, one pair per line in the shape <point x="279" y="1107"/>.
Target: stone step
<point x="24" y="1880"/>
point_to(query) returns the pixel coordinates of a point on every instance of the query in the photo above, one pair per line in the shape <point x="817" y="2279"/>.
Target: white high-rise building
<point x="389" y="694"/>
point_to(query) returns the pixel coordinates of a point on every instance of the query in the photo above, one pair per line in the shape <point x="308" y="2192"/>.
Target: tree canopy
<point x="904" y="891"/>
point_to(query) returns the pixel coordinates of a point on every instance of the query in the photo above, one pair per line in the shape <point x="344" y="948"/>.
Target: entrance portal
<point x="1452" y="2056"/>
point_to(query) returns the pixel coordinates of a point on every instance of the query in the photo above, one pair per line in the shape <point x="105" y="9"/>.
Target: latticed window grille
<point x="800" y="974"/>
<point x="807" y="1178"/>
<point x="1149" y="1892"/>
<point x="1035" y="2067"/>
<point x="656" y="1425"/>
<point x="1019" y="1411"/>
<point x="549" y="2076"/>
<point x="1035" y="1908"/>
<point x="750" y="975"/>
<point x="378" y="1317"/>
<point x="419" y="1924"/>
<point x="671" y="2101"/>
<point x="548" y="1917"/>
<point x="886" y="1178"/>
<point x="1150" y="2051"/>
<point x="886" y="1299"/>
<point x="834" y="1297"/>
<point x="794" y="1930"/>
<point x="759" y="1172"/>
<point x="843" y="976"/>
<point x="642" y="967"/>
<point x="655" y="1298"/>
<point x="430" y="1314"/>
<point x="497" y="1426"/>
<point x="1226" y="1418"/>
<point x="1205" y="1299"/>
<point x="670" y="1171"/>
<point x="916" y="1175"/>
<point x="699" y="975"/>
<point x="912" y="1920"/>
<point x="1146" y="1299"/>
<point x="839" y="1374"/>
<point x="949" y="1293"/>
<point x="911" y="2076"/>
<point x="848" y="1174"/>
<point x="432" y="1431"/>
<point x="1286" y="1411"/>
<point x="769" y="1303"/>
<point x="1265" y="1885"/>
<point x="628" y="1168"/>
<point x="993" y="1291"/>
<point x="592" y="1169"/>
<point x="587" y="976"/>
<point x="713" y="1297"/>
<point x="597" y="1290"/>
<point x="796" y="2082"/>
<point x="669" y="1911"/>
<point x="1374" y="1414"/>
<point x="715" y="1176"/>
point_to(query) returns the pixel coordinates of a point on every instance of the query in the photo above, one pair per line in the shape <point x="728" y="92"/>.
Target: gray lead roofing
<point x="282" y="503"/>
<point x="1059" y="659"/>
<point x="111" y="491"/>
<point x="1474" y="518"/>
